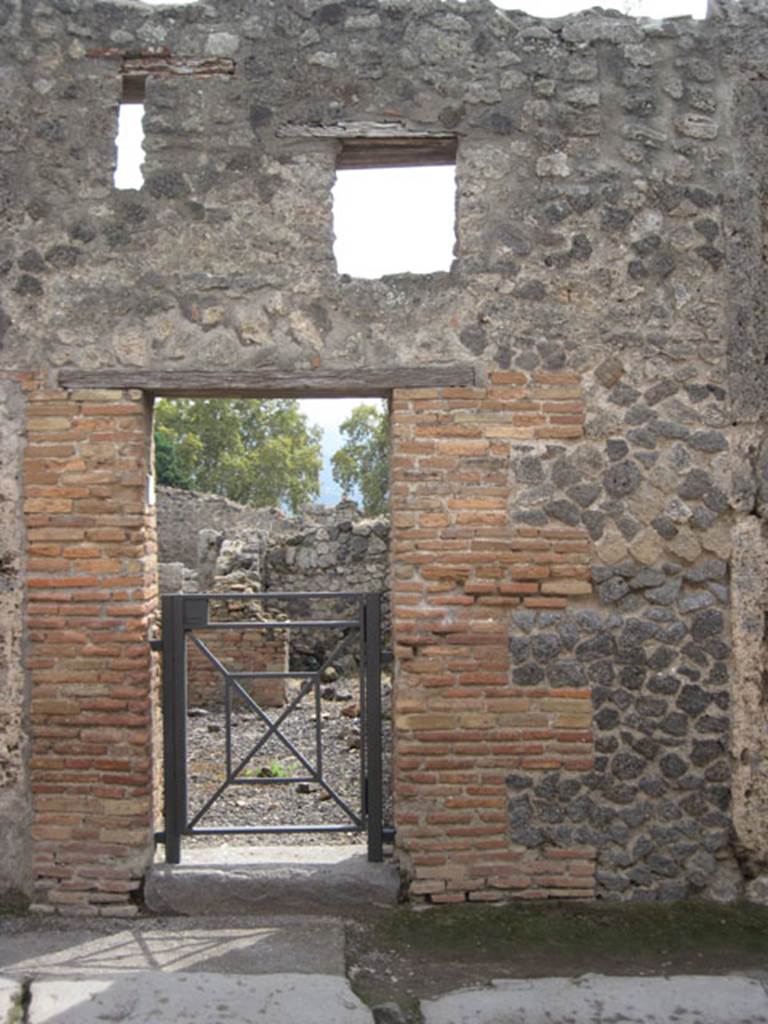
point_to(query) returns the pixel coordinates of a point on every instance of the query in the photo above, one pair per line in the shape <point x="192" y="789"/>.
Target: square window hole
<point x="394" y="208"/>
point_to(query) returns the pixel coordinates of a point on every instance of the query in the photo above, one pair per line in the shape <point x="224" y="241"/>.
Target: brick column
<point x="460" y="565"/>
<point x="91" y="596"/>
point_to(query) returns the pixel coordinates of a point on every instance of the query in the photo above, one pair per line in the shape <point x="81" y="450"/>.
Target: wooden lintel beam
<point x="410" y="152"/>
<point x="376" y="130"/>
<point x="380" y="144"/>
<point x="272" y="383"/>
<point x="179" y="67"/>
<point x="134" y="88"/>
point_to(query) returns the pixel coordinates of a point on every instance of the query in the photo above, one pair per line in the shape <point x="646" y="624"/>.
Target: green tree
<point x="250" y="450"/>
<point x="169" y="466"/>
<point x="363" y="460"/>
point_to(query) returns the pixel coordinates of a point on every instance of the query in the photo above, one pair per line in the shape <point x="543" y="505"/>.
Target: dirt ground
<point x="263" y="793"/>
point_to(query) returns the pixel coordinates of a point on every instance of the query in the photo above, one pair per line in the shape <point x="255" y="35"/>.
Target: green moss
<point x="407" y="955"/>
<point x="13" y="903"/>
<point x="18" y="1011"/>
<point x="607" y="930"/>
<point x="15" y="1014"/>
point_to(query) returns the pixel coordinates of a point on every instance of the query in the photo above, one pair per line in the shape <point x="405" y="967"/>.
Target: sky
<point x="330" y="413"/>
<point x="408" y="211"/>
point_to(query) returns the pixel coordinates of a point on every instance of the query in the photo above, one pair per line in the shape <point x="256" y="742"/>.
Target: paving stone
<point x="158" y="998"/>
<point x="591" y="999"/>
<point x="260" y="944"/>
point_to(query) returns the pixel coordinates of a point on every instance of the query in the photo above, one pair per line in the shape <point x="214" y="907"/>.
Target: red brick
<point x="66" y="613"/>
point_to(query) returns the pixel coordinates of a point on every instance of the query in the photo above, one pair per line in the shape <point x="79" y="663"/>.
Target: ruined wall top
<point x="599" y="160"/>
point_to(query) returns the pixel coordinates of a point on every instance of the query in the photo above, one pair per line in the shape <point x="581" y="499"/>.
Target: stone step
<point x="275" y="879"/>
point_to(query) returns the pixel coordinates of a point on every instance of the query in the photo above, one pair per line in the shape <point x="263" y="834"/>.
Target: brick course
<point x="92" y="599"/>
<point x="461" y="565"/>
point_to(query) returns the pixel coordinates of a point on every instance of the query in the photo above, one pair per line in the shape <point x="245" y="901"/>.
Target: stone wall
<point x="182" y="515"/>
<point x="15" y="845"/>
<point x="579" y="477"/>
<point x="231" y="565"/>
<point x="322" y="549"/>
<point x="319" y="549"/>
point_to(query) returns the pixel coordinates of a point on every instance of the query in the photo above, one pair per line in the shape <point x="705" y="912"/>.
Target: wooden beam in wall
<point x="380" y="144"/>
<point x="271" y="382"/>
<point x="134" y="88"/>
<point x="410" y="152"/>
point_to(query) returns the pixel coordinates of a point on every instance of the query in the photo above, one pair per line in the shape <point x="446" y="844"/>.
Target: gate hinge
<point x="156" y="644"/>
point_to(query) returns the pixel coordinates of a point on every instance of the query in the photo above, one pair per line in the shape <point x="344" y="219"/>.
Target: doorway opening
<point x="277" y="707"/>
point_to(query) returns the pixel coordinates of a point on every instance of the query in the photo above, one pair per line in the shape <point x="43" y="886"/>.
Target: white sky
<point x="416" y="204"/>
<point x="395" y="220"/>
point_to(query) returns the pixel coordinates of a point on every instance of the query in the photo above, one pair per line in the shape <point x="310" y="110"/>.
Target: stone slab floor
<point x="688" y="963"/>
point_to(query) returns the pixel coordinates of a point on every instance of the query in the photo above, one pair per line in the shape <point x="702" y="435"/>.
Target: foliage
<point x="250" y="450"/>
<point x="363" y="460"/>
<point x="169" y="467"/>
<point x="274" y="770"/>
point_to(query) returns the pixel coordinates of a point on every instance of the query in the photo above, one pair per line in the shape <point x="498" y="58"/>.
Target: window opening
<point x="130" y="134"/>
<point x="394" y="206"/>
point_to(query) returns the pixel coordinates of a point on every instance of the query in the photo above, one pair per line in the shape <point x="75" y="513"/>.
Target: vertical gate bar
<point x="181" y="720"/>
<point x="318" y="725"/>
<point x="373" y="724"/>
<point x="174" y="724"/>
<point x="361" y="695"/>
<point x="228" y="724"/>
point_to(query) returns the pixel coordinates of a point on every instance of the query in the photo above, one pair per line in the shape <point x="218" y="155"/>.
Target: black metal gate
<point x="186" y="618"/>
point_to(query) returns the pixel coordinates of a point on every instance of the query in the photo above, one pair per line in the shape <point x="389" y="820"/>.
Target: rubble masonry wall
<point x="578" y="547"/>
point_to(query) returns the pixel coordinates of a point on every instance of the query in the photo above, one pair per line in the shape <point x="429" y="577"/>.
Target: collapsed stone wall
<point x="578" y="406"/>
<point x="232" y="565"/>
<point x="243" y="651"/>
<point x="182" y="515"/>
<point x="321" y="549"/>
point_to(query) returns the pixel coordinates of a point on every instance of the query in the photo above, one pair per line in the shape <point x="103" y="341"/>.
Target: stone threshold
<point x="284" y="879"/>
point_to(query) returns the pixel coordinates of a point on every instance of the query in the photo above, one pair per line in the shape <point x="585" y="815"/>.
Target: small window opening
<point x="394" y="207"/>
<point x="130" y="134"/>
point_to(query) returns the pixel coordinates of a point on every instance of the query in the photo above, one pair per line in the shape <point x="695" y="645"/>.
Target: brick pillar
<point x="460" y="566"/>
<point x="91" y="596"/>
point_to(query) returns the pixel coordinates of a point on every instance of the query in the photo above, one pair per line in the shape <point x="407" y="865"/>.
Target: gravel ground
<point x="268" y="798"/>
